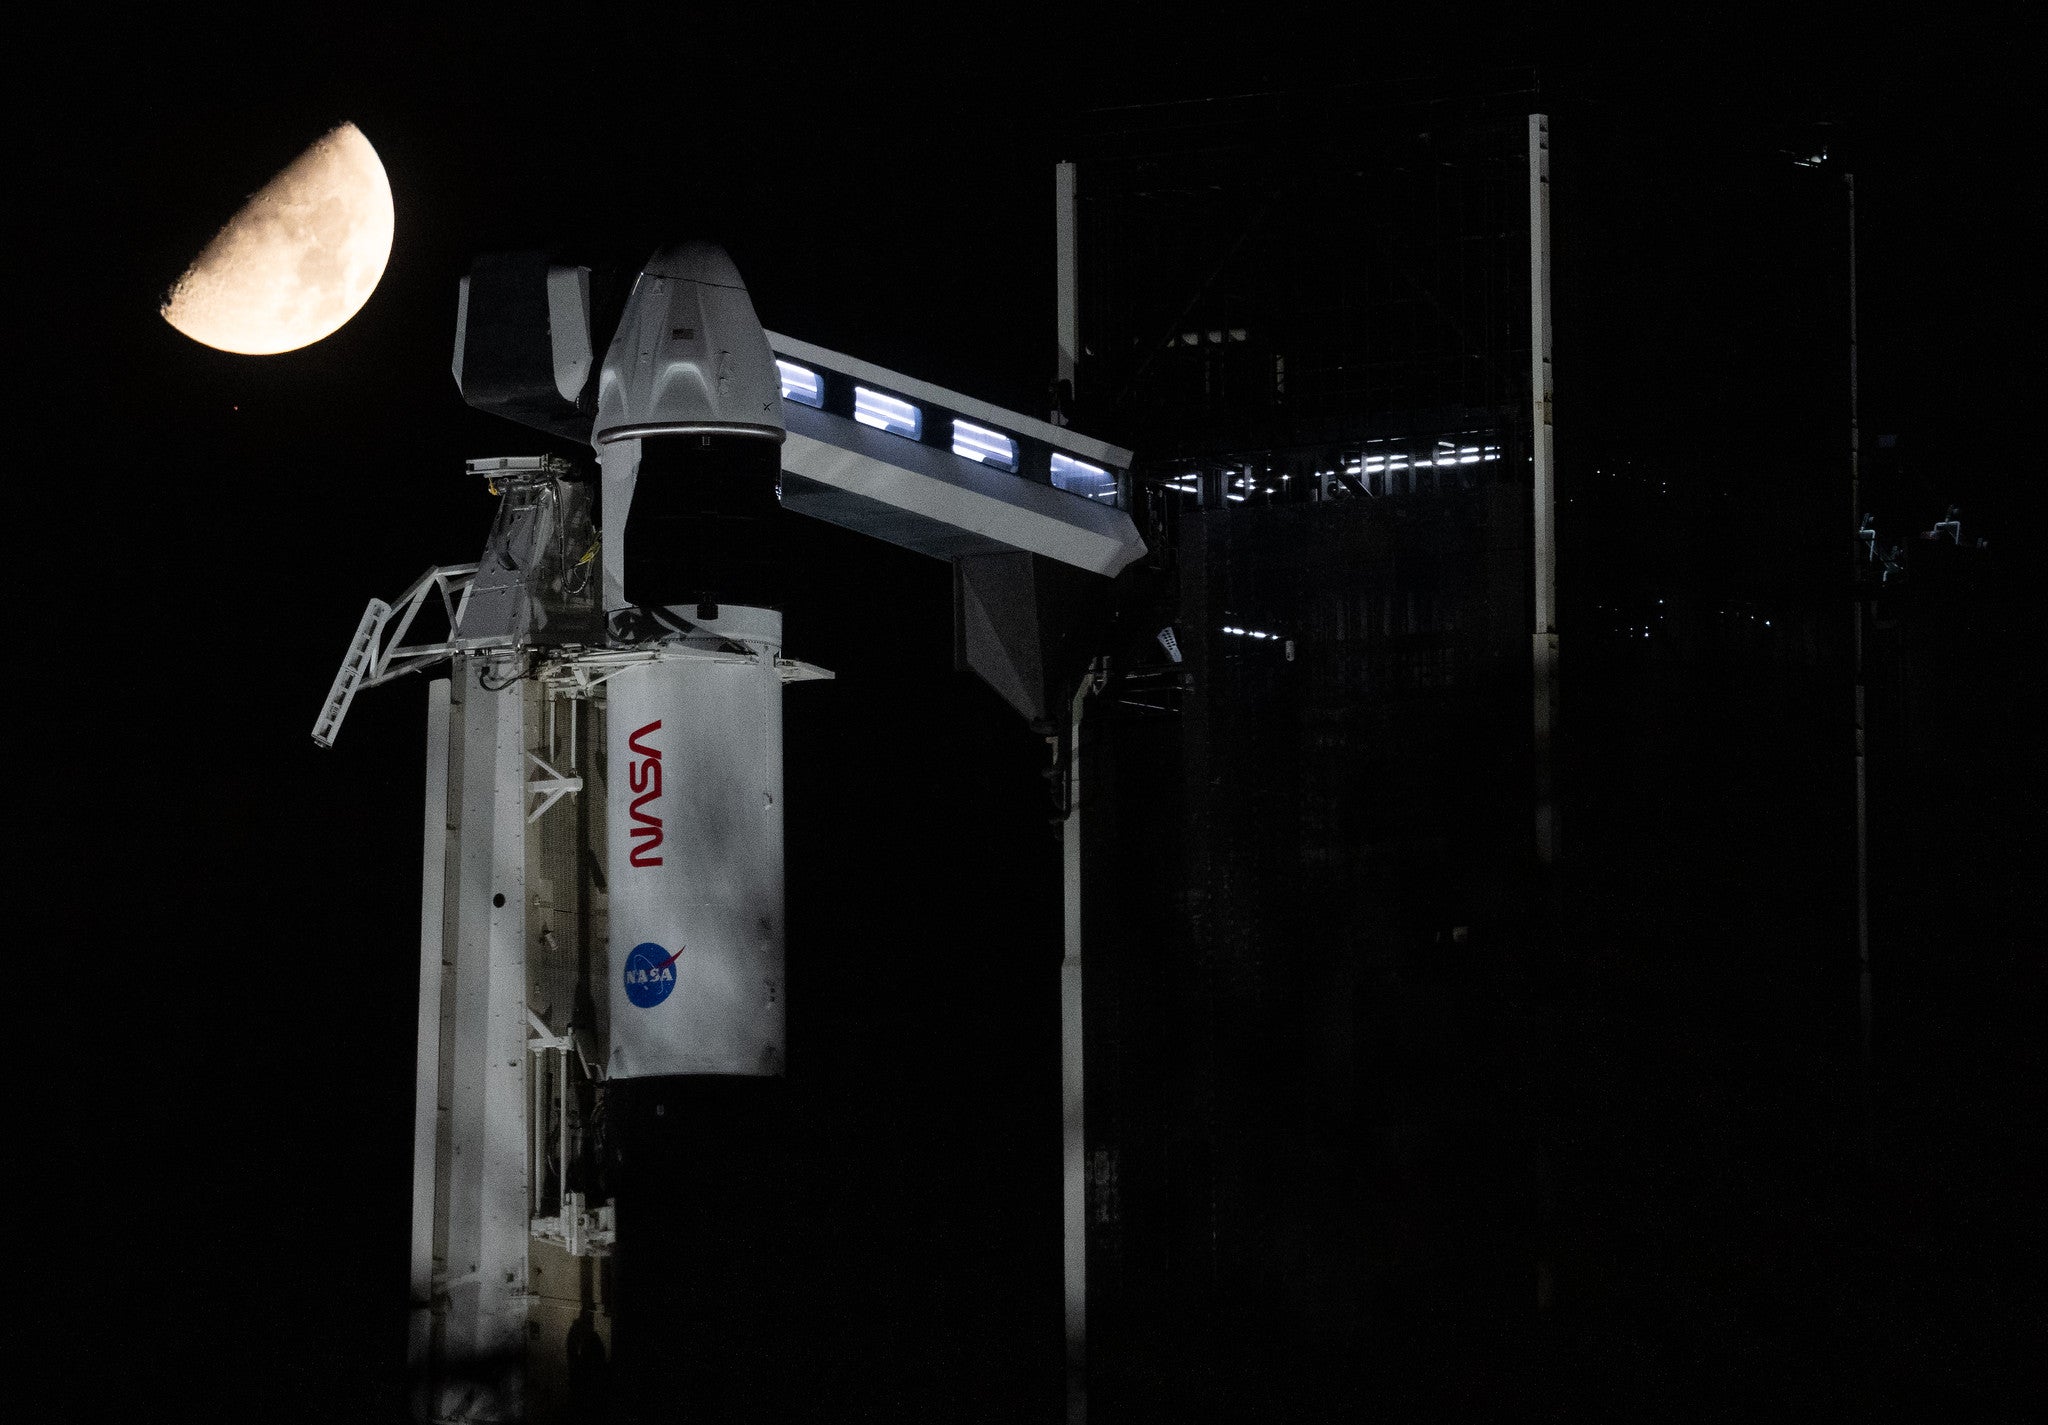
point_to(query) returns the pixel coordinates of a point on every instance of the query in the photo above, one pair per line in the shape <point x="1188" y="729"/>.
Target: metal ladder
<point x="362" y="654"/>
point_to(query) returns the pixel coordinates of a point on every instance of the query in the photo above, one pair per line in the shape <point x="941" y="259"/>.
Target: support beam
<point x="480" y="1370"/>
<point x="1074" y="1139"/>
<point x="427" y="1071"/>
<point x="1856" y="512"/>
<point x="1067" y="270"/>
<point x="928" y="499"/>
<point x="1544" y="523"/>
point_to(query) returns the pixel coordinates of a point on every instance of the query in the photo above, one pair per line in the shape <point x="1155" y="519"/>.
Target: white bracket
<point x="378" y="653"/>
<point x="550" y="789"/>
<point x="580" y="673"/>
<point x="545" y="1039"/>
<point x="792" y="671"/>
<point x="578" y="1230"/>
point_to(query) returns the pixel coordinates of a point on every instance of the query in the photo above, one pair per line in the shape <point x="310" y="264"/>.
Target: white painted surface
<point x="1073" y="1127"/>
<point x="483" y="1336"/>
<point x="689" y="350"/>
<point x="427" y="1070"/>
<point x="1086" y="447"/>
<point x="937" y="485"/>
<point x="695" y="754"/>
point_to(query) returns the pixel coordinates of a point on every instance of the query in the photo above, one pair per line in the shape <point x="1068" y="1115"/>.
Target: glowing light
<point x="1078" y="477"/>
<point x="800" y="384"/>
<point x="986" y="446"/>
<point x="889" y="413"/>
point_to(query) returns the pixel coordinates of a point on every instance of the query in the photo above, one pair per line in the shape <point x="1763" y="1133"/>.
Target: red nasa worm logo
<point x="645" y="776"/>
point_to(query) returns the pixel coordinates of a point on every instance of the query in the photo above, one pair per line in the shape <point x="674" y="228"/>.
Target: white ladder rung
<point x="362" y="652"/>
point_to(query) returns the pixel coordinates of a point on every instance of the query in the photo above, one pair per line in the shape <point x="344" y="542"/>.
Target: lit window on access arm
<point x="1078" y="477"/>
<point x="890" y="413"/>
<point x="800" y="384"/>
<point x="987" y="446"/>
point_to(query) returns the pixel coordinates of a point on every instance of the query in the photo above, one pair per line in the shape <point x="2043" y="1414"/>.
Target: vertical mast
<point x="1863" y="986"/>
<point x="427" y="1073"/>
<point x="1543" y="527"/>
<point x="1066" y="261"/>
<point x="1073" y="1134"/>
<point x="1073" y="1129"/>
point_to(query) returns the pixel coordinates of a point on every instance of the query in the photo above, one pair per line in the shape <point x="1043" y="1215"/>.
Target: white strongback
<point x="477" y="1325"/>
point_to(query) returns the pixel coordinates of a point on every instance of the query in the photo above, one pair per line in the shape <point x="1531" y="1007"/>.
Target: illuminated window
<point x="1080" y="478"/>
<point x="987" y="446"/>
<point x="889" y="413"/>
<point x="800" y="384"/>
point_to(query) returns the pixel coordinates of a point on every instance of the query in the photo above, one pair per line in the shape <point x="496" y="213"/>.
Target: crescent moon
<point x="298" y="260"/>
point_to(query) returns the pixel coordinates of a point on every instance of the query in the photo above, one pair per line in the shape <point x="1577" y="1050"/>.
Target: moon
<point x="298" y="260"/>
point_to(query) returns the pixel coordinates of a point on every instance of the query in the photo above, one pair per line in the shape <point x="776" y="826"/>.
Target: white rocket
<point x="626" y="640"/>
<point x="688" y="434"/>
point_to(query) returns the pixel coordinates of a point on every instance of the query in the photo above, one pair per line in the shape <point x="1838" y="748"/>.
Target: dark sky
<point x="223" y="919"/>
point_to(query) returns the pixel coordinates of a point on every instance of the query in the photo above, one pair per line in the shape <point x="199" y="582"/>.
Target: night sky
<point x="214" y="1176"/>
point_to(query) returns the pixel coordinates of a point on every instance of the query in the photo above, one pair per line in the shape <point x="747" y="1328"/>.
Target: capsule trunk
<point x="694" y="808"/>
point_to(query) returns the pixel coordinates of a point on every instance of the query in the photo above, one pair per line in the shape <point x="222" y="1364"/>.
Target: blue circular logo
<point x="650" y="974"/>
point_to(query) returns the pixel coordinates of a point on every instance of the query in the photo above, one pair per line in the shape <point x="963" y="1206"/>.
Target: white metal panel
<point x="504" y="1220"/>
<point x="1059" y="438"/>
<point x="427" y="1071"/>
<point x="569" y="328"/>
<point x="689" y="352"/>
<point x="694" y="850"/>
<point x="484" y="1332"/>
<point x="461" y="327"/>
<point x="618" y="464"/>
<point x="1073" y="1128"/>
<point x="938" y="485"/>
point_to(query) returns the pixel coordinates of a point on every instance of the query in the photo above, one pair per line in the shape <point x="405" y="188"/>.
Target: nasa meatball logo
<point x="650" y="974"/>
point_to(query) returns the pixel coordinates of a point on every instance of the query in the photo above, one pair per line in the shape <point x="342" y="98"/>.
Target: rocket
<point x="684" y="411"/>
<point x="688" y="431"/>
<point x="620" y="641"/>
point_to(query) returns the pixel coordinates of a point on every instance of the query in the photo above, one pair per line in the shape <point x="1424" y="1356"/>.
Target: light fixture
<point x="800" y="384"/>
<point x="889" y="413"/>
<point x="988" y="447"/>
<point x="1078" y="477"/>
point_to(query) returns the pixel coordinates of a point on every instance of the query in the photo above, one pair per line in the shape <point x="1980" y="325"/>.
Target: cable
<point x="483" y="679"/>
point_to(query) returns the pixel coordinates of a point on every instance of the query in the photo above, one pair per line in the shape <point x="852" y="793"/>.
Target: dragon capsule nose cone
<point x="695" y="262"/>
<point x="689" y="356"/>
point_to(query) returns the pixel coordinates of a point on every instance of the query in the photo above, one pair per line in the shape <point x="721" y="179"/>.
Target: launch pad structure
<point x="602" y="844"/>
